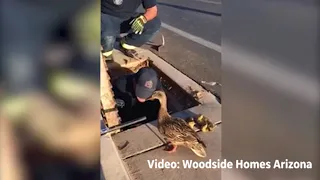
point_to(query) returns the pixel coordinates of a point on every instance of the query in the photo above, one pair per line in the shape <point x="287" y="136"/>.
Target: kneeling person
<point x="131" y="94"/>
<point x="121" y="16"/>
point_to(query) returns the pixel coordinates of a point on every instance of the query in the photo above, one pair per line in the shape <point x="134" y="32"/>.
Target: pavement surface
<point x="147" y="145"/>
<point x="201" y="18"/>
<point x="192" y="30"/>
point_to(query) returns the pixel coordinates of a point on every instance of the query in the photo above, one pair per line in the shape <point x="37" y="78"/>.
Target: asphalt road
<point x="201" y="18"/>
<point x="192" y="30"/>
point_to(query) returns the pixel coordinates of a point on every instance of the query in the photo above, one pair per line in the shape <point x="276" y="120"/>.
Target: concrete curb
<point x="111" y="164"/>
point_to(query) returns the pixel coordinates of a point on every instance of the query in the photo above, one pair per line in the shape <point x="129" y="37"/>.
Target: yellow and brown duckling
<point x="190" y="122"/>
<point x="176" y="130"/>
<point x="202" y="123"/>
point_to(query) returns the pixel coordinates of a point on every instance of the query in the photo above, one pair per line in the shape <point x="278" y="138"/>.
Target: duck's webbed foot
<point x="170" y="147"/>
<point x="174" y="148"/>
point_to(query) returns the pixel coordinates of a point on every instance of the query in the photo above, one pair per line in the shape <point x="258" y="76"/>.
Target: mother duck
<point x="176" y="130"/>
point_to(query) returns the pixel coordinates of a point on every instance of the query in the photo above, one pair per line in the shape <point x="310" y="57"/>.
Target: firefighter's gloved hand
<point x="137" y="24"/>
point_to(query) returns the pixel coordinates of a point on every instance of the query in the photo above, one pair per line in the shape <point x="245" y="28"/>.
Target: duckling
<point x="204" y="124"/>
<point x="201" y="124"/>
<point x="191" y="122"/>
<point x="176" y="130"/>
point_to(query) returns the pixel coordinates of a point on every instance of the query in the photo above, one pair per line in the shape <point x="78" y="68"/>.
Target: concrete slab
<point x="140" y="139"/>
<point x="139" y="169"/>
<point x="111" y="164"/>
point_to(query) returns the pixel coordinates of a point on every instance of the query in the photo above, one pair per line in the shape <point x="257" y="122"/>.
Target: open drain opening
<point x="178" y="99"/>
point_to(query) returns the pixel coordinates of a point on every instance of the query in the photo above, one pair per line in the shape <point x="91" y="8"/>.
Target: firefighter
<point x="120" y="16"/>
<point x="132" y="92"/>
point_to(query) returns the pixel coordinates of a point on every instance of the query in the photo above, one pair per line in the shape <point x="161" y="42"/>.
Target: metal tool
<point x="126" y="124"/>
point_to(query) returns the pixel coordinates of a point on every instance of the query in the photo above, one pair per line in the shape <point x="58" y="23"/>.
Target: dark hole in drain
<point x="178" y="99"/>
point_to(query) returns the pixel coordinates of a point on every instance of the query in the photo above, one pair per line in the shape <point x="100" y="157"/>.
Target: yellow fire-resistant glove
<point x="137" y="24"/>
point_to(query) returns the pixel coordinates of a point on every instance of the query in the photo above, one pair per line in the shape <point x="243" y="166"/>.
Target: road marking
<point x="210" y="2"/>
<point x="193" y="38"/>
